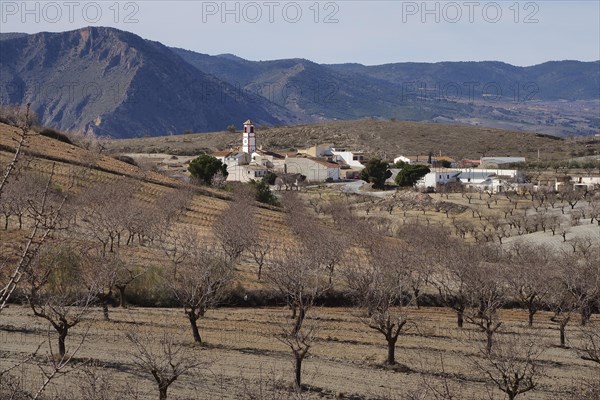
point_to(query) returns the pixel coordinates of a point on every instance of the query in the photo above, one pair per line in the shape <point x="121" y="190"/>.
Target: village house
<point x="315" y="170"/>
<point x="438" y="177"/>
<point x="436" y="161"/>
<point x="246" y="173"/>
<point x="353" y="159"/>
<point x="491" y="180"/>
<point x="321" y="150"/>
<point x="580" y="182"/>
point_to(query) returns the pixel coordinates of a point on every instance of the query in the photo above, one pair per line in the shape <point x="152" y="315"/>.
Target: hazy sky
<point x="368" y="32"/>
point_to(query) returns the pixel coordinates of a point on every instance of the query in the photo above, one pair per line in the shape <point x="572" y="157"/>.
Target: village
<point x="327" y="163"/>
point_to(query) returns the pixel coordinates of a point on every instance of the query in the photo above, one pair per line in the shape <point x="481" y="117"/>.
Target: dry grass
<point x="242" y="351"/>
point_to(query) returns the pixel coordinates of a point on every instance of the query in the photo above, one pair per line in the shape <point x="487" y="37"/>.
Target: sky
<point x="368" y="32"/>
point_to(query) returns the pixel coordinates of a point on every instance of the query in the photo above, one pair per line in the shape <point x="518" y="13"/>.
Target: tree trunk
<point x="122" y="301"/>
<point x="193" y="322"/>
<point x="162" y="392"/>
<point x="490" y="341"/>
<point x="391" y="357"/>
<point x="298" y="372"/>
<point x="105" y="309"/>
<point x="299" y="319"/>
<point x="531" y="314"/>
<point x="562" y="327"/>
<point x="460" y="321"/>
<point x="416" y="294"/>
<point x="586" y="314"/>
<point x="61" y="342"/>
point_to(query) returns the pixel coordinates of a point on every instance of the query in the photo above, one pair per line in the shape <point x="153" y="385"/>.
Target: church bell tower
<point x="249" y="138"/>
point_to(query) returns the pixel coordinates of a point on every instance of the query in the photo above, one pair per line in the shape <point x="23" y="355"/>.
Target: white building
<point x="232" y="158"/>
<point x="315" y="170"/>
<point x="434" y="178"/>
<point x="248" y="138"/>
<point x="353" y="159"/>
<point x="246" y="173"/>
<point x="491" y="180"/>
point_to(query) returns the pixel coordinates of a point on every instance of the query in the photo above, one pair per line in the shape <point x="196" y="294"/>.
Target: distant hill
<point x="376" y="137"/>
<point x="116" y="83"/>
<point x="557" y="80"/>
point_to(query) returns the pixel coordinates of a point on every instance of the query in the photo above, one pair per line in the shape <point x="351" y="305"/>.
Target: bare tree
<point x="260" y="250"/>
<point x="486" y="292"/>
<point x="513" y="366"/>
<point x="300" y="342"/>
<point x="201" y="284"/>
<point x="45" y="213"/>
<point x="55" y="292"/>
<point x="99" y="273"/>
<point x="236" y="228"/>
<point x="377" y="282"/>
<point x="295" y="273"/>
<point x="451" y="277"/>
<point x="527" y="275"/>
<point x="106" y="208"/>
<point x="297" y="276"/>
<point x="166" y="360"/>
<point x="590" y="347"/>
<point x="562" y="299"/>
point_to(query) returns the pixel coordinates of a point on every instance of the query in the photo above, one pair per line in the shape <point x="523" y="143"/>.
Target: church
<point x="251" y="162"/>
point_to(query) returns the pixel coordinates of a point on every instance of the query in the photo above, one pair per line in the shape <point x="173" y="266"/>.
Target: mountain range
<point x="116" y="83"/>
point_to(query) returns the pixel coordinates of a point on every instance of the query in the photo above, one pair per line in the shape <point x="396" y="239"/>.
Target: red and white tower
<point x="249" y="138"/>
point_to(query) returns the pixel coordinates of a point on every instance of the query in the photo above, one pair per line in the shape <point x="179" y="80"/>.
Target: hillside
<point x="89" y="169"/>
<point x="384" y="138"/>
<point x="115" y="83"/>
<point x="557" y="80"/>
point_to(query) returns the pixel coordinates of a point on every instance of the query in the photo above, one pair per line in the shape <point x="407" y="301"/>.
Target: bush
<point x="126" y="159"/>
<point x="410" y="174"/>
<point x="54" y="134"/>
<point x="205" y="167"/>
<point x="263" y="192"/>
<point x="376" y="172"/>
<point x="269" y="178"/>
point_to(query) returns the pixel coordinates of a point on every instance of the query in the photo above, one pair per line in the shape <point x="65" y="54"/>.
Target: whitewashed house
<point x="435" y="178"/>
<point x="353" y="159"/>
<point x="246" y="173"/>
<point x="314" y="169"/>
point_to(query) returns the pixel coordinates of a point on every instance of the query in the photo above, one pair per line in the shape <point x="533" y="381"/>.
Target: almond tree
<point x="55" y="292"/>
<point x="236" y="228"/>
<point x="260" y="250"/>
<point x="590" y="347"/>
<point x="450" y="278"/>
<point x="377" y="282"/>
<point x="486" y="292"/>
<point x="296" y="275"/>
<point x="561" y="299"/>
<point x="201" y="284"/>
<point x="45" y="213"/>
<point x="166" y="360"/>
<point x="513" y="366"/>
<point x="105" y="207"/>
<point x="99" y="273"/>
<point x="527" y="275"/>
